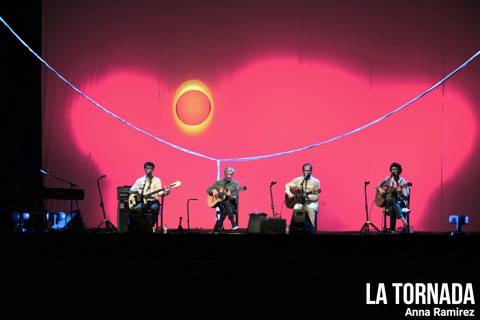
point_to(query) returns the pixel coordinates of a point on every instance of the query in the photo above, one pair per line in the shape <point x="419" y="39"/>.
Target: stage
<point x="283" y="272"/>
<point x="261" y="86"/>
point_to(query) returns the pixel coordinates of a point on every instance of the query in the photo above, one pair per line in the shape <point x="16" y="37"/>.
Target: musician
<point x="308" y="187"/>
<point x="144" y="216"/>
<point x="229" y="205"/>
<point x="397" y="192"/>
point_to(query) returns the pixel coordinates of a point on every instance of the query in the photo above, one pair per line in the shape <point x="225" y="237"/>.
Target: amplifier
<point x="123" y="192"/>
<point x="255" y="221"/>
<point x="123" y="211"/>
<point x="273" y="226"/>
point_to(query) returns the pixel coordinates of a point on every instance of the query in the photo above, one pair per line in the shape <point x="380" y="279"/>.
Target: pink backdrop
<point x="282" y="75"/>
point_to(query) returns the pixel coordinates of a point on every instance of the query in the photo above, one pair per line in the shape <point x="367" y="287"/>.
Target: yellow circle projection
<point x="186" y="103"/>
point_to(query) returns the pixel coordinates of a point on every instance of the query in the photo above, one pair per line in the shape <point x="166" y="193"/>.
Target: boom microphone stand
<point x="366" y="226"/>
<point x="108" y="225"/>
<point x="72" y="185"/>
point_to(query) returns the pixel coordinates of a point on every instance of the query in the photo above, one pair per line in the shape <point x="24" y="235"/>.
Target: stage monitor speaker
<point x="123" y="211"/>
<point x="255" y="221"/>
<point x="273" y="226"/>
<point x="297" y="224"/>
<point x="300" y="223"/>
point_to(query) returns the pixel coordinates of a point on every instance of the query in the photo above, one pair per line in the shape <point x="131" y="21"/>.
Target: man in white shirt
<point x="144" y="215"/>
<point x="307" y="189"/>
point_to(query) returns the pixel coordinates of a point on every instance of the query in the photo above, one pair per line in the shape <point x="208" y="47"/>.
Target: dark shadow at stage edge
<point x="328" y="270"/>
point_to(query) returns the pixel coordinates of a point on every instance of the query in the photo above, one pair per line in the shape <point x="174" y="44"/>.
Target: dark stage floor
<point x="324" y="271"/>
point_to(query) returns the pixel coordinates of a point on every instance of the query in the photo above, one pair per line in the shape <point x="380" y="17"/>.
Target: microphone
<point x="102" y="176"/>
<point x="192" y="199"/>
<point x="306" y="176"/>
<point x="273" y="182"/>
<point x="367" y="182"/>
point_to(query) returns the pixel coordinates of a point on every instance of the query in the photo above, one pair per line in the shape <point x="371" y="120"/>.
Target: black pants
<point x="143" y="217"/>
<point x="227" y="208"/>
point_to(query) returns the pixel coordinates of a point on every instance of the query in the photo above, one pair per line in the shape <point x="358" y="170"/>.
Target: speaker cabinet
<point x="123" y="211"/>
<point x="273" y="226"/>
<point x="301" y="223"/>
<point x="255" y="221"/>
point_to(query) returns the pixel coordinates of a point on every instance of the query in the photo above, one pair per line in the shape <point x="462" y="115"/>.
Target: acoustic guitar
<point x="381" y="198"/>
<point x="214" y="201"/>
<point x="135" y="199"/>
<point x="297" y="198"/>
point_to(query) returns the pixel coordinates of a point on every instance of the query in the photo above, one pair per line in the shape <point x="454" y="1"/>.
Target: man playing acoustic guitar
<point x="302" y="195"/>
<point x="394" y="193"/>
<point x="223" y="195"/>
<point x="143" y="215"/>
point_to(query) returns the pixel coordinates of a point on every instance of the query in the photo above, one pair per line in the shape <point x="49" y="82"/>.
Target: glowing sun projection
<point x="193" y="106"/>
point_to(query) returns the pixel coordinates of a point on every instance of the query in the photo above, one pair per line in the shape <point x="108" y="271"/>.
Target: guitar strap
<point x="395" y="184"/>
<point x="149" y="184"/>
<point x="149" y="181"/>
<point x="304" y="187"/>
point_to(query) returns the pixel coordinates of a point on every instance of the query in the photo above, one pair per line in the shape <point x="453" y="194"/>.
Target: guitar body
<point x="380" y="199"/>
<point x="390" y="192"/>
<point x="135" y="199"/>
<point x="214" y="201"/>
<point x="298" y="198"/>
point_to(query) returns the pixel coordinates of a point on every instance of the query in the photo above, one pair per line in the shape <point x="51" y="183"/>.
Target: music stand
<point x="366" y="226"/>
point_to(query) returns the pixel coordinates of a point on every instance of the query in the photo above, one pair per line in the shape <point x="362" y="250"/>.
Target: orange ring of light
<point x="187" y="86"/>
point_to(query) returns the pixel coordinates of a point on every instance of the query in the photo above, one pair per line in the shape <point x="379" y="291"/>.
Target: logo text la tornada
<point x="421" y="293"/>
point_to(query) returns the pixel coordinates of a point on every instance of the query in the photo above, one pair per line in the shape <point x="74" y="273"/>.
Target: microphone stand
<point x="58" y="178"/>
<point x="366" y="226"/>
<point x="409" y="206"/>
<point x="188" y="212"/>
<point x="304" y="207"/>
<point x="271" y="199"/>
<point x="160" y="212"/>
<point x="108" y="225"/>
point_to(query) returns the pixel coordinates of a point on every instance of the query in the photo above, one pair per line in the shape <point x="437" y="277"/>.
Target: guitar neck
<point x="154" y="192"/>
<point x="160" y="190"/>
